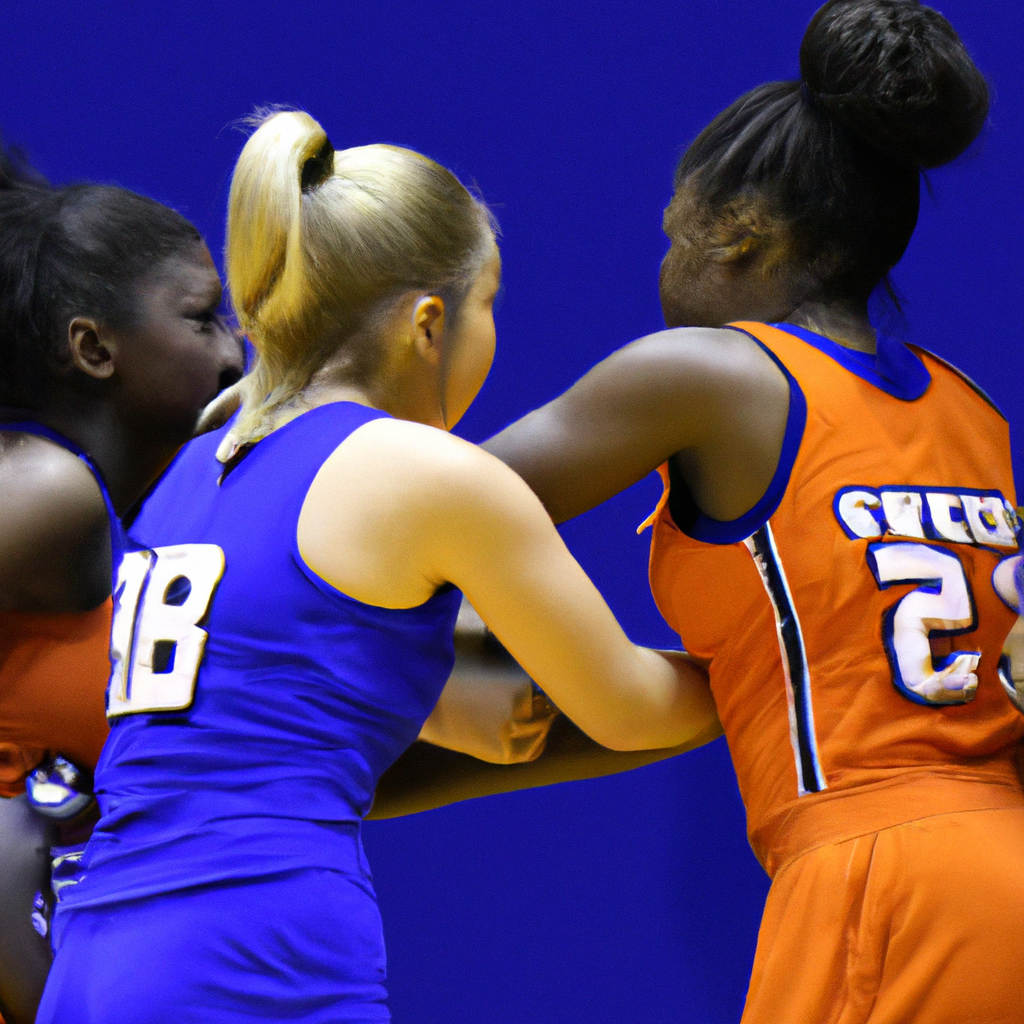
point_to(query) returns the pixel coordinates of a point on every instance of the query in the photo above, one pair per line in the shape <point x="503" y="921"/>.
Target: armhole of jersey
<point x="329" y="589"/>
<point x="683" y="509"/>
<point x="975" y="387"/>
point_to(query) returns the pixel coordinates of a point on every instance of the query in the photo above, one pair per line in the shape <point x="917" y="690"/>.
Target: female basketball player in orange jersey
<point x="835" y="505"/>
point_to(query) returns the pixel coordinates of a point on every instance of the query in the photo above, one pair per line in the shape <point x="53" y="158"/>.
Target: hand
<point x="17" y="762"/>
<point x="1008" y="580"/>
<point x="490" y="708"/>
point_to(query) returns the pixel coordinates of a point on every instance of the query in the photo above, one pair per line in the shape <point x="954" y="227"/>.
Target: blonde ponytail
<point x="318" y="240"/>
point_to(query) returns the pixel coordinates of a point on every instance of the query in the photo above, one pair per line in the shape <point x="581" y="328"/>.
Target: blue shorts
<point x="303" y="946"/>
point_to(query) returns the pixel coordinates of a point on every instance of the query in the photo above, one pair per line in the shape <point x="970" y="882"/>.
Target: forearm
<point x="25" y="840"/>
<point x="426" y="776"/>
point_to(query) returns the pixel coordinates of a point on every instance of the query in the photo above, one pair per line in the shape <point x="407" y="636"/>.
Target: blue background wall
<point x="627" y="899"/>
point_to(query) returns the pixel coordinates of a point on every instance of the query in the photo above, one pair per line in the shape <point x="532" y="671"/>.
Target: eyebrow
<point x="209" y="296"/>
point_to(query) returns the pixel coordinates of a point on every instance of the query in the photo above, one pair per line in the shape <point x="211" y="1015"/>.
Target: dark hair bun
<point x="15" y="171"/>
<point x="895" y="73"/>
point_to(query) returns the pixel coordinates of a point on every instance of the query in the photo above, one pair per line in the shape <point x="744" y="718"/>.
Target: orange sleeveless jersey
<point x="53" y="675"/>
<point x="855" y="638"/>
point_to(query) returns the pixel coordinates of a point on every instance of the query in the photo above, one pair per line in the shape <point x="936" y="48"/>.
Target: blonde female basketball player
<point x="287" y="627"/>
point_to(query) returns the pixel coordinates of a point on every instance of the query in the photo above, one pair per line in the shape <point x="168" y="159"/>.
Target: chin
<point x="679" y="315"/>
<point x="690" y="320"/>
<point x="674" y="317"/>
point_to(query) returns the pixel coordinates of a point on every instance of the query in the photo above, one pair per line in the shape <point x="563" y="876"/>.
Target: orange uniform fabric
<point x="917" y="924"/>
<point x="53" y="675"/>
<point x="841" y="730"/>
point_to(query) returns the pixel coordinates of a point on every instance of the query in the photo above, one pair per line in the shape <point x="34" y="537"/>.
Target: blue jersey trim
<point x="716" y="531"/>
<point x="332" y="591"/>
<point x="893" y="369"/>
<point x="117" y="537"/>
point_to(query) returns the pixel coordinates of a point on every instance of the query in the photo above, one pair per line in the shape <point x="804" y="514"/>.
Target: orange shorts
<point x="920" y="923"/>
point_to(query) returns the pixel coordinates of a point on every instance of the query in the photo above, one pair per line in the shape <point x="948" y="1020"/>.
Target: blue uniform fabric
<point x="240" y="815"/>
<point x="302" y="946"/>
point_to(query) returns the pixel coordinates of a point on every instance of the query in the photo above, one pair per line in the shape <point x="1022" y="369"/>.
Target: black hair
<point x="887" y="89"/>
<point x="80" y="250"/>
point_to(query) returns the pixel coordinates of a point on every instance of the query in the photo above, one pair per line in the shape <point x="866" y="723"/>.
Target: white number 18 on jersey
<point x="156" y="644"/>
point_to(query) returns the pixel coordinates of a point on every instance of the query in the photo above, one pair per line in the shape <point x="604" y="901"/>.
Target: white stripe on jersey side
<point x="769" y="565"/>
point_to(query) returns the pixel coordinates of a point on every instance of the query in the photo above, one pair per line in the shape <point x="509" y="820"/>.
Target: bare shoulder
<point x="54" y="549"/>
<point x="670" y="391"/>
<point x="713" y="393"/>
<point x="389" y="497"/>
<point x="676" y="342"/>
<point x="425" y="464"/>
<point x="37" y="475"/>
<point x="696" y="356"/>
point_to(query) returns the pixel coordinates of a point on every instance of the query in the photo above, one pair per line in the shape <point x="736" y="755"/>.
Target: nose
<point x="664" y="270"/>
<point x="234" y="350"/>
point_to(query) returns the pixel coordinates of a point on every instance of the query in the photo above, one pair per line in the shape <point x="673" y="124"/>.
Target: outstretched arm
<point x="425" y="776"/>
<point x="428" y="776"/>
<point x="711" y="397"/>
<point x="697" y="393"/>
<point x="25" y="840"/>
<point x="450" y="512"/>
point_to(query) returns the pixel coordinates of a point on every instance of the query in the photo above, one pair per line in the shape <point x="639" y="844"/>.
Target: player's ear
<point x="747" y="234"/>
<point x="92" y="347"/>
<point x="740" y="234"/>
<point x="428" y="316"/>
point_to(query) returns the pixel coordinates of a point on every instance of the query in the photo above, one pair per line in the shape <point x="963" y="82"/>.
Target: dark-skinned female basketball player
<point x="111" y="344"/>
<point x="835" y="506"/>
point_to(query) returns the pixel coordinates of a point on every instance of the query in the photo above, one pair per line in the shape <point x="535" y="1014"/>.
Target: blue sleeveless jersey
<point x="253" y="706"/>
